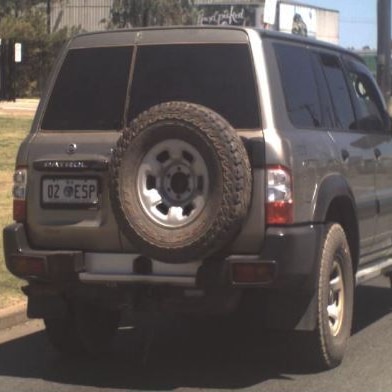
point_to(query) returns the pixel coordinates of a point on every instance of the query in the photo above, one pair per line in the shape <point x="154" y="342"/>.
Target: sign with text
<point x="235" y="15"/>
<point x="18" y="52"/>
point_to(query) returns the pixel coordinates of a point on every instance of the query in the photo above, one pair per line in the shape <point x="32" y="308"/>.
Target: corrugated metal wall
<point x="86" y="14"/>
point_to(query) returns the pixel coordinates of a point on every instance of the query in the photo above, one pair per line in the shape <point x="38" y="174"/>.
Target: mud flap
<point x="281" y="309"/>
<point x="46" y="306"/>
<point x="291" y="311"/>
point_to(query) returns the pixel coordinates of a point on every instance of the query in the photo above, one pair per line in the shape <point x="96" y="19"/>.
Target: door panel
<point x="359" y="165"/>
<point x="372" y="120"/>
<point x="78" y="222"/>
<point x="354" y="147"/>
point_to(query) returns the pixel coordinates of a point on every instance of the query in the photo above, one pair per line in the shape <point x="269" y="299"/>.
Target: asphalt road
<point x="205" y="357"/>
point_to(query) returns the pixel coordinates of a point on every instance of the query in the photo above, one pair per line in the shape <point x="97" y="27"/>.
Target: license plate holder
<point x="70" y="192"/>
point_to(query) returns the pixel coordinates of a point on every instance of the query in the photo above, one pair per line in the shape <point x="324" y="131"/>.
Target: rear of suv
<point x="202" y="170"/>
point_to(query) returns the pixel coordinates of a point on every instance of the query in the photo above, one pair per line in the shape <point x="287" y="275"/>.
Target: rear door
<point x="68" y="197"/>
<point x="355" y="147"/>
<point x="372" y="119"/>
<point x="217" y="73"/>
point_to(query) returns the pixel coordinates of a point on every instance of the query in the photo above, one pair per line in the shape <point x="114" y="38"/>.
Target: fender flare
<point x="332" y="187"/>
<point x="335" y="188"/>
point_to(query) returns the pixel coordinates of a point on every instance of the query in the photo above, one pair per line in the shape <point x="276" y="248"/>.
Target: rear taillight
<point x="279" y="203"/>
<point x="23" y="265"/>
<point x="19" y="193"/>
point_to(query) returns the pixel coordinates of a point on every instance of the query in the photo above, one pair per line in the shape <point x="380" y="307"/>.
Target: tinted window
<point x="368" y="104"/>
<point x="343" y="110"/>
<point x="220" y="77"/>
<point x="90" y="90"/>
<point x="299" y="85"/>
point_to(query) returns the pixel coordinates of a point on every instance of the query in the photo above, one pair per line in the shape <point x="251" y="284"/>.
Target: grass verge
<point x="12" y="132"/>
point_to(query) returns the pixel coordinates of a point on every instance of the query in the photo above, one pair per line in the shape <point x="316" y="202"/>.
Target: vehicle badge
<point x="71" y="149"/>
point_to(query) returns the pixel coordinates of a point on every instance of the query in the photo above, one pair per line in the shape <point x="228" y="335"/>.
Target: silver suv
<point x="203" y="170"/>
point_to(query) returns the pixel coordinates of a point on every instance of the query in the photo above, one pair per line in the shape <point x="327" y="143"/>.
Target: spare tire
<point x="180" y="182"/>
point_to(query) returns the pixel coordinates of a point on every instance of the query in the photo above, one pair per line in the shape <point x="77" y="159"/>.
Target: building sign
<point x="270" y="11"/>
<point x="235" y="15"/>
<point x="282" y="15"/>
<point x="296" y="19"/>
<point x="227" y="2"/>
<point x="18" y="52"/>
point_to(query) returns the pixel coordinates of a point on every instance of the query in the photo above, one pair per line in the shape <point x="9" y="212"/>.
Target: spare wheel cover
<point x="180" y="182"/>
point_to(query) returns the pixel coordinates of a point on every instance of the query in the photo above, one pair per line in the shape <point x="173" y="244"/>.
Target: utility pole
<point x="384" y="48"/>
<point x="48" y="16"/>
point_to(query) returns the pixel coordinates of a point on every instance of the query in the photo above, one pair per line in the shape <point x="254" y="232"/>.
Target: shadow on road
<point x="183" y="354"/>
<point x="371" y="304"/>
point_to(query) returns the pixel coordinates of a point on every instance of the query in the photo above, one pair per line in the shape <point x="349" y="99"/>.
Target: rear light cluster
<point x="19" y="194"/>
<point x="279" y="203"/>
<point x="24" y="266"/>
<point x="253" y="273"/>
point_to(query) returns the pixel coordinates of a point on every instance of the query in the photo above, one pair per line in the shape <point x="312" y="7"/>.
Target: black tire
<point x="62" y="334"/>
<point x="96" y="327"/>
<point x="335" y="300"/>
<point x="226" y="198"/>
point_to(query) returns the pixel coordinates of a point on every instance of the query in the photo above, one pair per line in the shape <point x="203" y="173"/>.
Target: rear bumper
<point x="52" y="265"/>
<point x="290" y="254"/>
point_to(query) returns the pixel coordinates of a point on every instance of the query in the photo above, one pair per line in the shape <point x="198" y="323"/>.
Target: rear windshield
<point x="90" y="90"/>
<point x="220" y="77"/>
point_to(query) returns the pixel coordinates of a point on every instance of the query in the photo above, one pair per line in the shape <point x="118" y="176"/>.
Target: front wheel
<point x="335" y="298"/>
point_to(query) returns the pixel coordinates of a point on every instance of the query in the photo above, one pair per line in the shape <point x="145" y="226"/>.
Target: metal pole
<point x="383" y="47"/>
<point x="48" y="16"/>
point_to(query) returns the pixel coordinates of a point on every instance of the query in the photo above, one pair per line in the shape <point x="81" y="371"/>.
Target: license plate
<point x="70" y="191"/>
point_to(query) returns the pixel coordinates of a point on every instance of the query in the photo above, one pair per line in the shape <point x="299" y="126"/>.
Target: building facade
<point x="282" y="15"/>
<point x="88" y="15"/>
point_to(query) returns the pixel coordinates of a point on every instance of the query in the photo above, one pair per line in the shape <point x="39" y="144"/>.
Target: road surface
<point x="204" y="358"/>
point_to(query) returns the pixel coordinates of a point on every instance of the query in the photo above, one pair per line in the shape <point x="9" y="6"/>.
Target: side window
<point x="338" y="89"/>
<point x="299" y="86"/>
<point x="367" y="101"/>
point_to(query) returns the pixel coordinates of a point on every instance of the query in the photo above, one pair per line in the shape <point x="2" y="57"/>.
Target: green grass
<point x="12" y="132"/>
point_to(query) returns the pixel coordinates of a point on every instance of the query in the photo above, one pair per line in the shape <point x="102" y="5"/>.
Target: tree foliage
<point x="141" y="13"/>
<point x="17" y="7"/>
<point x="25" y="21"/>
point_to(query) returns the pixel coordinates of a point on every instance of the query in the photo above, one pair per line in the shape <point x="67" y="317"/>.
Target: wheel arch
<point x="335" y="203"/>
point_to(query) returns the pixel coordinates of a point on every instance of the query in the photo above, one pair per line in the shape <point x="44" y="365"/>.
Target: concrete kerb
<point x="13" y="315"/>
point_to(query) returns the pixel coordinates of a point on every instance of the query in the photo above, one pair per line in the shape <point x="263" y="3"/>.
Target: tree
<point x="141" y="13"/>
<point x="39" y="49"/>
<point x="17" y="7"/>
